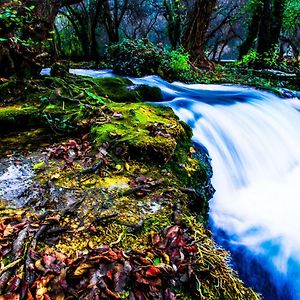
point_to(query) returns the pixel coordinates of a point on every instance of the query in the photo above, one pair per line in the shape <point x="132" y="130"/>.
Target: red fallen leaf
<point x="139" y="295"/>
<point x="152" y="272"/>
<point x="111" y="294"/>
<point x="141" y="279"/>
<point x="48" y="260"/>
<point x="191" y="249"/>
<point x="101" y="259"/>
<point x="109" y="274"/>
<point x="112" y="254"/>
<point x="172" y="232"/>
<point x="180" y="241"/>
<point x="29" y="295"/>
<point x="93" y="228"/>
<point x="21" y="225"/>
<point x="47" y="297"/>
<point x="10" y="297"/>
<point x="72" y="143"/>
<point x="142" y="260"/>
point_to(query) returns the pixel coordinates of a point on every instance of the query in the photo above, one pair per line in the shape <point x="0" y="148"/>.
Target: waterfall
<point x="253" y="139"/>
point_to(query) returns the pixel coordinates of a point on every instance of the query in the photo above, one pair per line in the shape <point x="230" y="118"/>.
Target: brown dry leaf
<point x="172" y="232"/>
<point x="8" y="230"/>
<point x="48" y="260"/>
<point x="60" y="256"/>
<point x="41" y="288"/>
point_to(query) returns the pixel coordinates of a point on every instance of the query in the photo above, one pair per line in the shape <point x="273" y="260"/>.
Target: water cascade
<point x="254" y="142"/>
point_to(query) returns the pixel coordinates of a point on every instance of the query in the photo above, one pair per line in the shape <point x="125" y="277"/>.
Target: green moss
<point x="144" y="131"/>
<point x="149" y="93"/>
<point x="15" y="116"/>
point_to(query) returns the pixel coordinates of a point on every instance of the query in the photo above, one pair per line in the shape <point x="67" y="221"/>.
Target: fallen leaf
<point x="48" y="260"/>
<point x="172" y="232"/>
<point x="55" y="176"/>
<point x="127" y="167"/>
<point x="152" y="272"/>
<point x="10" y="297"/>
<point x="8" y="230"/>
<point x="39" y="165"/>
<point x="83" y="268"/>
<point x="192" y="150"/>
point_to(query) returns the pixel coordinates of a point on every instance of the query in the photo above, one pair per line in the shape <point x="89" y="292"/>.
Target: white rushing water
<point x="253" y="139"/>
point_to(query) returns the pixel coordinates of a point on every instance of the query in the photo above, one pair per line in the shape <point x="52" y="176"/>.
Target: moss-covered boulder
<point x="16" y="116"/>
<point x="141" y="130"/>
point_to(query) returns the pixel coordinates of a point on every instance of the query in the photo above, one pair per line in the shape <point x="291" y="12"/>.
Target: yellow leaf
<point x="55" y="176"/>
<point x="39" y="165"/>
<point x="127" y="167"/>
<point x="192" y="150"/>
<point x="119" y="167"/>
<point x="82" y="269"/>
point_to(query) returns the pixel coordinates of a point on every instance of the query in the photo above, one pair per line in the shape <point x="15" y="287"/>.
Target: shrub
<point x="140" y="57"/>
<point x="179" y="60"/>
<point x="135" y="57"/>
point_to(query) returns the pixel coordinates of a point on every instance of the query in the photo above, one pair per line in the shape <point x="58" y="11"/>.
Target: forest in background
<point x="257" y="33"/>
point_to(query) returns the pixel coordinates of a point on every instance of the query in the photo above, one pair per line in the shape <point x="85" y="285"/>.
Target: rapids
<point x="253" y="140"/>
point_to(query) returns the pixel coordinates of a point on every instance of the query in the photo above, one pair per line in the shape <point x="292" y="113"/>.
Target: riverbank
<point x="116" y="200"/>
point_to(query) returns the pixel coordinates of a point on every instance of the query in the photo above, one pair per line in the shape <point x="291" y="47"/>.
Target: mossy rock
<point x="149" y="93"/>
<point x="120" y="89"/>
<point x="12" y="117"/>
<point x="144" y="131"/>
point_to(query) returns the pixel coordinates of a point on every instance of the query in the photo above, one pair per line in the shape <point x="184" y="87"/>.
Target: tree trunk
<point x="25" y="57"/>
<point x="252" y="31"/>
<point x="270" y="26"/>
<point x="194" y="37"/>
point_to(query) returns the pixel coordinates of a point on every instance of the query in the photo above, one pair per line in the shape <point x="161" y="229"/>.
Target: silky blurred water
<point x="253" y="139"/>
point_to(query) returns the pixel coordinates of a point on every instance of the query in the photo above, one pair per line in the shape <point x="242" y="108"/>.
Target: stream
<point x="253" y="140"/>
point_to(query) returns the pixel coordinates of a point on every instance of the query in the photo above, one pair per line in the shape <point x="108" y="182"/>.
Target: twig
<point x="9" y="266"/>
<point x="105" y="218"/>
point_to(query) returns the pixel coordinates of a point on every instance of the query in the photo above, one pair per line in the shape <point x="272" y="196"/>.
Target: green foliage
<point x="179" y="60"/>
<point x="140" y="57"/>
<point x="291" y="18"/>
<point x="135" y="57"/>
<point x="16" y="16"/>
<point x="248" y="59"/>
<point x="271" y="60"/>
